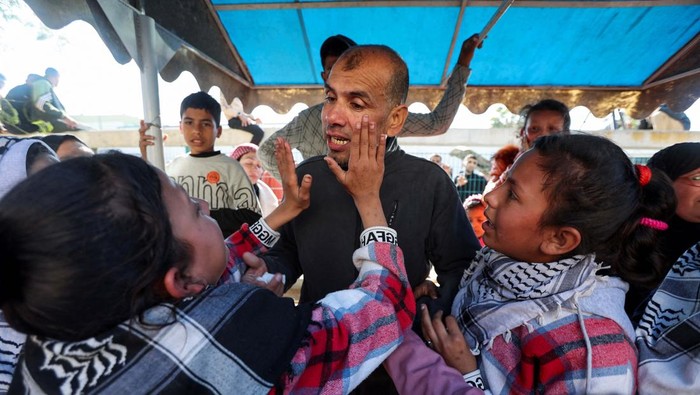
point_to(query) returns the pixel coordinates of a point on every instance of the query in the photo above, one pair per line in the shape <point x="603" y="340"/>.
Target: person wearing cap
<point x="305" y="132"/>
<point x="247" y="155"/>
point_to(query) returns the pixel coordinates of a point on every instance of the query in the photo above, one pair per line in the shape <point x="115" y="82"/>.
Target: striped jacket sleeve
<point x="254" y="239"/>
<point x="354" y="330"/>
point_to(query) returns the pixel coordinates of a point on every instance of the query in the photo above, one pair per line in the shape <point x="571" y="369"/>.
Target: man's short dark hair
<point x="397" y="88"/>
<point x="335" y="46"/>
<point x="202" y="100"/>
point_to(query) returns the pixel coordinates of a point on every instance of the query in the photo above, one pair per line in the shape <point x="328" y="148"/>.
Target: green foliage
<point x="504" y="118"/>
<point x="6" y="9"/>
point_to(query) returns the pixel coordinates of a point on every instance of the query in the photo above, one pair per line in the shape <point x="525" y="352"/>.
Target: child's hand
<point x="447" y="340"/>
<point x="256" y="269"/>
<point x="297" y="197"/>
<point x="146" y="139"/>
<point x="426" y="288"/>
<point x="461" y="180"/>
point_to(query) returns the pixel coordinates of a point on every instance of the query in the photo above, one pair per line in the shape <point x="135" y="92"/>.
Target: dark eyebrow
<point x="359" y="94"/>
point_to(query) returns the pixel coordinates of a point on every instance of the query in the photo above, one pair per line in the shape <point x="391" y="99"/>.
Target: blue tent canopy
<point x="601" y="54"/>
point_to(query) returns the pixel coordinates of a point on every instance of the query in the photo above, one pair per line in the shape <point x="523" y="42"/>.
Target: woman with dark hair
<point x="126" y="285"/>
<point x="681" y="162"/>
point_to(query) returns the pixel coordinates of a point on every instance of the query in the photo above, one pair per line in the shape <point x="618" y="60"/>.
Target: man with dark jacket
<point x="419" y="199"/>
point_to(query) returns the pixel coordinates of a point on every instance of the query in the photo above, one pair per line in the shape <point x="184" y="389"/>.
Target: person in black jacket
<point x="419" y="199"/>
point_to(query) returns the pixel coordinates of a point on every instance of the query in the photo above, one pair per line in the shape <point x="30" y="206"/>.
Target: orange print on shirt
<point x="213" y="177"/>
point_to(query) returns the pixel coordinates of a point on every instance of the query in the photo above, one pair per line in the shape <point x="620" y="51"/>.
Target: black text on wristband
<point x="474" y="379"/>
<point x="378" y="233"/>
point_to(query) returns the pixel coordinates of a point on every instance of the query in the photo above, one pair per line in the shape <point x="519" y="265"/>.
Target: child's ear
<point x="178" y="287"/>
<point x="218" y="131"/>
<point x="397" y="118"/>
<point x="560" y="240"/>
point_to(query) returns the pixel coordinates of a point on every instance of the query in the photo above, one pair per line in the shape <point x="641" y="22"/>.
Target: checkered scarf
<point x="498" y="293"/>
<point x="232" y="339"/>
<point x="668" y="336"/>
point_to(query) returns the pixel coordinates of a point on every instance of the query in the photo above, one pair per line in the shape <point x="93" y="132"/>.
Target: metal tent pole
<point x="145" y="38"/>
<point x="501" y="10"/>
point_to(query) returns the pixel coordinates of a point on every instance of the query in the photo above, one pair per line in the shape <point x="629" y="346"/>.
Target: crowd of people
<point x="567" y="270"/>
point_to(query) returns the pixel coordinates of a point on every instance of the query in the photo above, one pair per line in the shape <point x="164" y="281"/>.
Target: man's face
<point x="469" y="165"/>
<point x="350" y="95"/>
<point x="199" y="130"/>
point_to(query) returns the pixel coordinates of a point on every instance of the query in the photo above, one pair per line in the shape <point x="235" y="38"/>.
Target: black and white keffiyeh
<point x="668" y="335"/>
<point x="232" y="339"/>
<point x="517" y="291"/>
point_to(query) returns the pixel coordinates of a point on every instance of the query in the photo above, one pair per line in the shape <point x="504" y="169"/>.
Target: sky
<point x="93" y="83"/>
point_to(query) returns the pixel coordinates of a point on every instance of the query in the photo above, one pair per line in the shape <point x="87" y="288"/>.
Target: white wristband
<point x="378" y="233"/>
<point x="264" y="233"/>
<point x="474" y="379"/>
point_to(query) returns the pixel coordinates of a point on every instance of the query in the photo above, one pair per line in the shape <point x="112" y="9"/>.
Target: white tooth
<point x="338" y="141"/>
